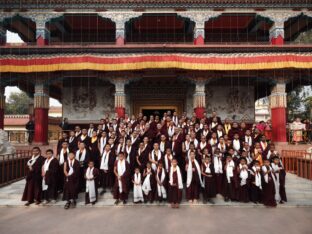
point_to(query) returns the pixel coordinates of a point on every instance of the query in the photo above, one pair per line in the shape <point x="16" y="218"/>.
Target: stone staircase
<point x="299" y="194"/>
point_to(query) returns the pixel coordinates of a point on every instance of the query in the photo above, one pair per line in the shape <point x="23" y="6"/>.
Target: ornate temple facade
<point x="130" y="56"/>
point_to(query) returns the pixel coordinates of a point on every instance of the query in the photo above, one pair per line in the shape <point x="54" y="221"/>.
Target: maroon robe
<point x="51" y="179"/>
<point x="193" y="191"/>
<point x="164" y="183"/>
<point x="243" y="190"/>
<point x="174" y="193"/>
<point x="210" y="183"/>
<point x="96" y="174"/>
<point x="33" y="187"/>
<point x="71" y="183"/>
<point x="124" y="181"/>
<point x="268" y="194"/>
<point x="151" y="195"/>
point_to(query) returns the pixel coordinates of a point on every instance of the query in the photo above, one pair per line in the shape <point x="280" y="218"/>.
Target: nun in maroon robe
<point x="209" y="180"/>
<point x="175" y="185"/>
<point x="122" y="174"/>
<point x="33" y="187"/>
<point x="268" y="195"/>
<point x="50" y="171"/>
<point x="71" y="181"/>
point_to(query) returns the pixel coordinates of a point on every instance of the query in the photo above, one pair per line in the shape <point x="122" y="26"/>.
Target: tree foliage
<point x="299" y="104"/>
<point x="17" y="104"/>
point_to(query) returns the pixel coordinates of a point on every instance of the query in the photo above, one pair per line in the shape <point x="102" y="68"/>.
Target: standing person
<point x="33" y="187"/>
<point x="243" y="178"/>
<point x="50" y="170"/>
<point x="62" y="157"/>
<point x="72" y="142"/>
<point x="148" y="186"/>
<point x="279" y="180"/>
<point x="94" y="149"/>
<point x="30" y="127"/>
<point x="229" y="179"/>
<point x="208" y="173"/>
<point x="82" y="156"/>
<point x="64" y="125"/>
<point x="122" y="172"/>
<point x="71" y="183"/>
<point x="105" y="169"/>
<point x="91" y="176"/>
<point x="161" y="180"/>
<point x="268" y="195"/>
<point x="137" y="186"/>
<point x="256" y="183"/>
<point x="175" y="184"/>
<point x="297" y="129"/>
<point x="193" y="179"/>
<point x="218" y="169"/>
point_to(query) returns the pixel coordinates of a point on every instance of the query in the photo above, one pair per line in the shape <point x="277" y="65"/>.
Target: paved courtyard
<point x="156" y="220"/>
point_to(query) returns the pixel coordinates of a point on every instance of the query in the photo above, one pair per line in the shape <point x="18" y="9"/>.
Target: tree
<point x="17" y="104"/>
<point x="299" y="103"/>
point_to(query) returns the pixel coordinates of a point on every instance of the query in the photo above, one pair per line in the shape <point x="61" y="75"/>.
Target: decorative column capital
<point x="278" y="97"/>
<point x="41" y="96"/>
<point x="120" y="95"/>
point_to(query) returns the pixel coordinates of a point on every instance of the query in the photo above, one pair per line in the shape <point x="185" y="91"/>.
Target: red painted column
<point x="278" y="103"/>
<point x="41" y="110"/>
<point x="2" y="105"/>
<point x="42" y="33"/>
<point x="120" y="96"/>
<point x="199" y="97"/>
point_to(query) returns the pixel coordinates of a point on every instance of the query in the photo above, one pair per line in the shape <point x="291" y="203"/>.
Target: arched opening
<point x="24" y="28"/>
<point x="237" y="28"/>
<point x="81" y="28"/>
<point x="159" y="28"/>
<point x="298" y="30"/>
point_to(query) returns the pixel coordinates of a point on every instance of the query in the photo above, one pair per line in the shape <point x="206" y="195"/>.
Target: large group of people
<point x="156" y="158"/>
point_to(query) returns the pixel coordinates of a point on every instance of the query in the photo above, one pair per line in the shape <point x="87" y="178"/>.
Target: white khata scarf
<point x="155" y="157"/>
<point x="180" y="184"/>
<point x="71" y="164"/>
<point x="90" y="185"/>
<point x="137" y="188"/>
<point x="102" y="144"/>
<point x="167" y="158"/>
<point x="128" y="151"/>
<point x="190" y="173"/>
<point x="161" y="188"/>
<point x="276" y="181"/>
<point x="202" y="145"/>
<point x="83" y="155"/>
<point x="62" y="159"/>
<point x="207" y="171"/>
<point x="243" y="174"/>
<point x="104" y="160"/>
<point x="187" y="145"/>
<point x="121" y="169"/>
<point x="162" y="146"/>
<point x="217" y="163"/>
<point x="229" y="170"/>
<point x="45" y="169"/>
<point x="257" y="177"/>
<point x="32" y="161"/>
<point x="146" y="187"/>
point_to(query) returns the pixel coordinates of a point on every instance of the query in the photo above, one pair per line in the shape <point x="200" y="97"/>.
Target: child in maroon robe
<point x="229" y="179"/>
<point x="243" y="179"/>
<point x="91" y="176"/>
<point x="50" y="169"/>
<point x="33" y="187"/>
<point x="149" y="184"/>
<point x="209" y="180"/>
<point x="218" y="169"/>
<point x="280" y="175"/>
<point x="175" y="184"/>
<point x="71" y="183"/>
<point x="256" y="183"/>
<point x="122" y="173"/>
<point x="268" y="195"/>
<point x="194" y="180"/>
<point x="161" y="183"/>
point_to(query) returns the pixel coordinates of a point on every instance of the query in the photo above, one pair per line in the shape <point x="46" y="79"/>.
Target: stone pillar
<point x="3" y="36"/>
<point x="120" y="33"/>
<point x="277" y="32"/>
<point x="199" y="98"/>
<point x="278" y="104"/>
<point x="2" y="104"/>
<point x="41" y="111"/>
<point x="120" y="96"/>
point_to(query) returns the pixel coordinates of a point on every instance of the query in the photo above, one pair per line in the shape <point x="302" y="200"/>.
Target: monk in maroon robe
<point x="175" y="185"/>
<point x="33" y="187"/>
<point x="268" y="195"/>
<point x="122" y="174"/>
<point x="91" y="176"/>
<point x="50" y="171"/>
<point x="243" y="180"/>
<point x="208" y="173"/>
<point x="71" y="183"/>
